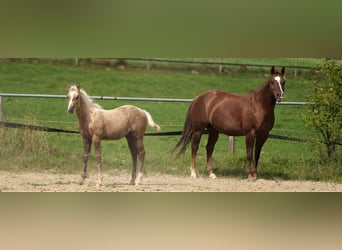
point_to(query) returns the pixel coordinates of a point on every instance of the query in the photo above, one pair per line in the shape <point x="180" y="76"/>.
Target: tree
<point x="324" y="109"/>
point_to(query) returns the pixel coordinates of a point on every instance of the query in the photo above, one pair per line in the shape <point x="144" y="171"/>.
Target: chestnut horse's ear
<point x="78" y="85"/>
<point x="283" y="70"/>
<point x="272" y="70"/>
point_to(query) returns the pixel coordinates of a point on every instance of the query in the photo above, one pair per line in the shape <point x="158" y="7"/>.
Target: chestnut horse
<point x="250" y="115"/>
<point x="96" y="124"/>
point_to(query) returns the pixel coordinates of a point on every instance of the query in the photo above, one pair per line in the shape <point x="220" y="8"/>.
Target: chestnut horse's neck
<point x="264" y="96"/>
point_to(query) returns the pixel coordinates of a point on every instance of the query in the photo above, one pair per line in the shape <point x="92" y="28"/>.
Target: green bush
<point x="324" y="109"/>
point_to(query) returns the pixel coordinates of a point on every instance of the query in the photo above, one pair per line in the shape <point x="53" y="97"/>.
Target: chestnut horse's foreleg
<point x="97" y="144"/>
<point x="86" y="151"/>
<point x="196" y="138"/>
<point x="212" y="139"/>
<point x="250" y="140"/>
<point x="260" y="140"/>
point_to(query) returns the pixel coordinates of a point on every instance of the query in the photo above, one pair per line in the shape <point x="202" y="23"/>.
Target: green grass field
<point x="22" y="150"/>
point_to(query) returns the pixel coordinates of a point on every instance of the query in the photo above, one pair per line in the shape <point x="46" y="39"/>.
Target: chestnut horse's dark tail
<point x="186" y="135"/>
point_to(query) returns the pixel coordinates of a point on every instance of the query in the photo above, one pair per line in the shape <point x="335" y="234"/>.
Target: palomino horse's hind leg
<point x="134" y="154"/>
<point x="141" y="159"/>
<point x="136" y="147"/>
<point x="212" y="139"/>
<point x="86" y="151"/>
<point x="196" y="138"/>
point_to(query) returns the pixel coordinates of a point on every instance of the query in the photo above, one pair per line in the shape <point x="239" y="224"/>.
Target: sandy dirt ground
<point x="115" y="181"/>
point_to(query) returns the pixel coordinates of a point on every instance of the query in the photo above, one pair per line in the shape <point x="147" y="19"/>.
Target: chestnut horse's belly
<point x="232" y="119"/>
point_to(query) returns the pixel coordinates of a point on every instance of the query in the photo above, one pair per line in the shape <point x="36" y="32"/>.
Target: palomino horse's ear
<point x="272" y="70"/>
<point x="68" y="86"/>
<point x="78" y="85"/>
<point x="283" y="70"/>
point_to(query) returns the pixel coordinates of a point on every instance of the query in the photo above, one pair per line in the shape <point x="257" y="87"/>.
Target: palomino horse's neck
<point x="83" y="112"/>
<point x="265" y="97"/>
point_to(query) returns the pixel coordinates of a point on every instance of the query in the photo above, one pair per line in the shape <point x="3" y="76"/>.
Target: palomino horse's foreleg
<point x="249" y="149"/>
<point x="260" y="140"/>
<point x="196" y="138"/>
<point x="97" y="144"/>
<point x="212" y="139"/>
<point x="86" y="151"/>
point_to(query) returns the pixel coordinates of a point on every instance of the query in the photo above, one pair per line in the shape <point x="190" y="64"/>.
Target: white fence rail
<point x="112" y="98"/>
<point x="230" y="140"/>
<point x="117" y="98"/>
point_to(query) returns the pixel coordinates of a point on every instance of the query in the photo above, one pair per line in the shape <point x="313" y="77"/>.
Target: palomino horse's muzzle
<point x="71" y="109"/>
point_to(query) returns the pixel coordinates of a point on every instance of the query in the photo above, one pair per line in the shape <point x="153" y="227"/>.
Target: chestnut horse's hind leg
<point x="212" y="139"/>
<point x="86" y="151"/>
<point x="196" y="138"/>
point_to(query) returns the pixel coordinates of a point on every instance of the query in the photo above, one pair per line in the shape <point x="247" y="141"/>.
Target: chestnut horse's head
<point x="73" y="97"/>
<point x="277" y="82"/>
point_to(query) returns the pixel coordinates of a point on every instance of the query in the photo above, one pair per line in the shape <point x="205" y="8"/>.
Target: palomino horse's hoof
<point x="212" y="176"/>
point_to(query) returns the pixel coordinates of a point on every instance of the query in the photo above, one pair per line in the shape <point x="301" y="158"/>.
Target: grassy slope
<point x="280" y="159"/>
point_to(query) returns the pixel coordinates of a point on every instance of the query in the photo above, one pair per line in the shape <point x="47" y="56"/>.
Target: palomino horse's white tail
<point x="150" y="121"/>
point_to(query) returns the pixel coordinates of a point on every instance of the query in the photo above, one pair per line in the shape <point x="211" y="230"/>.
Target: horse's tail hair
<point x="186" y="136"/>
<point x="150" y="121"/>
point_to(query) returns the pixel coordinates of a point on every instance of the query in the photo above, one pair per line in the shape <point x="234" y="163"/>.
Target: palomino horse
<point x="96" y="124"/>
<point x="250" y="115"/>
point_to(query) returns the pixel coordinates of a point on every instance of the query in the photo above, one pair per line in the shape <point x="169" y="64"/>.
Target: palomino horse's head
<point x="73" y="97"/>
<point x="277" y="82"/>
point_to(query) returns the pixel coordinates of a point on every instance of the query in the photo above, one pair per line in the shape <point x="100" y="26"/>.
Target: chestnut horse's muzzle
<point x="279" y="98"/>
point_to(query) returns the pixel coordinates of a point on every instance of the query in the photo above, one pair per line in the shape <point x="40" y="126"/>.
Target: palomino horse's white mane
<point x="90" y="102"/>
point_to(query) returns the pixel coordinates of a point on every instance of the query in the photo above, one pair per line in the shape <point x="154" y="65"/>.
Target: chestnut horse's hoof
<point x="83" y="177"/>
<point x="252" y="178"/>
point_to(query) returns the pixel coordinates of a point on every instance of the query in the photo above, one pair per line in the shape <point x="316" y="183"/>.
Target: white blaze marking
<point x="277" y="78"/>
<point x="70" y="100"/>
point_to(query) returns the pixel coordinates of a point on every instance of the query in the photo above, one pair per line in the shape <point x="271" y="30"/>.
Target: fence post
<point x="231" y="144"/>
<point x="221" y="67"/>
<point x="77" y="62"/>
<point x="148" y="66"/>
<point x="295" y="70"/>
<point x="0" y="108"/>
